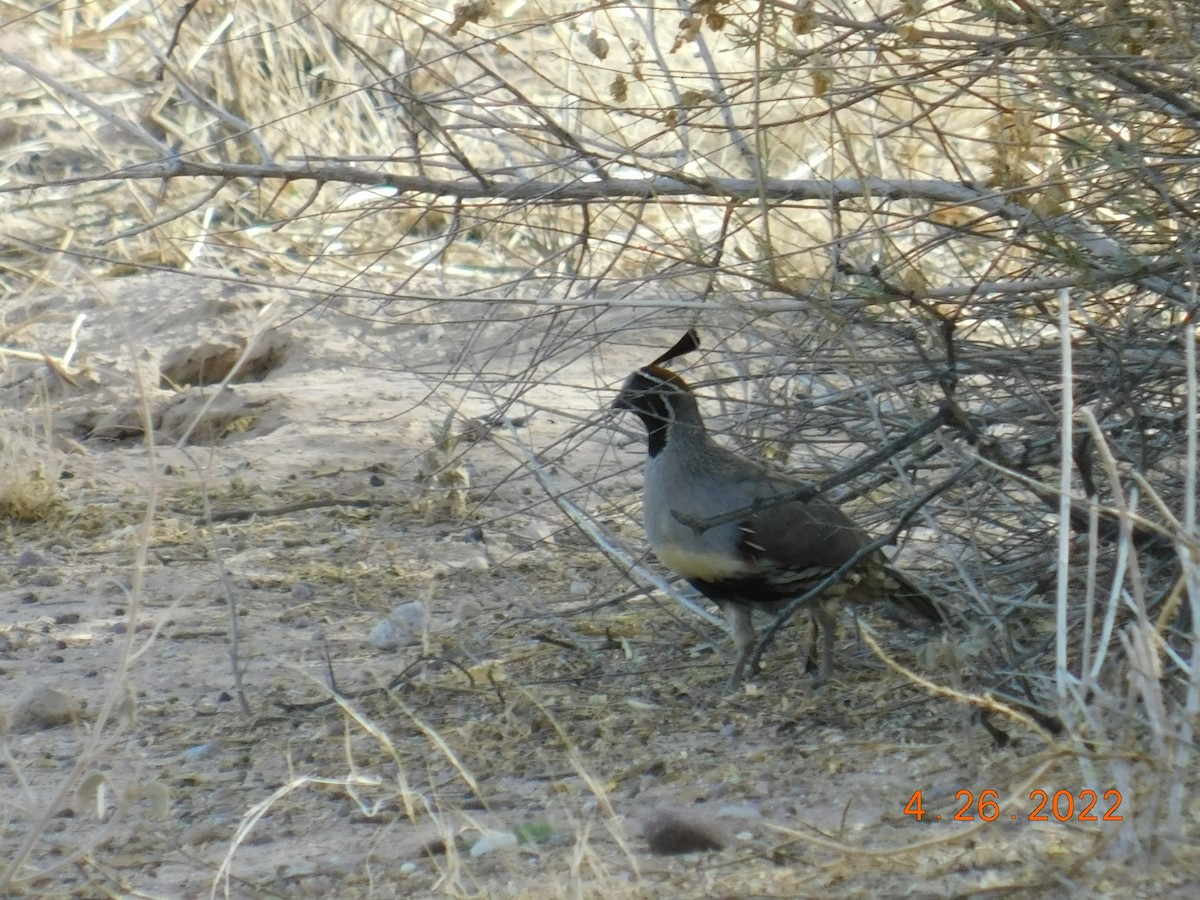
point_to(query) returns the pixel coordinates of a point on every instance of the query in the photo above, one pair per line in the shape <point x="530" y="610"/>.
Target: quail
<point x="759" y="562"/>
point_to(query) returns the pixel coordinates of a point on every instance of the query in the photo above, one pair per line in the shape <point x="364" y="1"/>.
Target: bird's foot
<point x="734" y="684"/>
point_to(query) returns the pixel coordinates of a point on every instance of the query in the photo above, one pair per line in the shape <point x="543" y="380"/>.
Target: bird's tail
<point x="912" y="598"/>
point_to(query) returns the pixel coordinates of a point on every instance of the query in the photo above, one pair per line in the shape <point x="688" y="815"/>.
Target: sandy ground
<point x="375" y="461"/>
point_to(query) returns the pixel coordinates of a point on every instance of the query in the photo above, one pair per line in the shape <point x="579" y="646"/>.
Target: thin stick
<point x="99" y="109"/>
<point x="218" y="558"/>
<point x="1190" y="563"/>
<point x="1066" y="465"/>
<point x="636" y="572"/>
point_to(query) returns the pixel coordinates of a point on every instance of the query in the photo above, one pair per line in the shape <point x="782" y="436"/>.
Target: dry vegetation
<point x="967" y="229"/>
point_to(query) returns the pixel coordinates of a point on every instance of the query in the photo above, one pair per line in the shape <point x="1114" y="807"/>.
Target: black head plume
<point x="660" y="397"/>
<point x="689" y="343"/>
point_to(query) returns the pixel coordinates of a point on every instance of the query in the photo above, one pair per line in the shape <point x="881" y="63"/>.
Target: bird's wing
<point x="795" y="535"/>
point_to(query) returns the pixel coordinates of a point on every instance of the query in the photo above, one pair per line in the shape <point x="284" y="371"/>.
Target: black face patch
<point x="649" y="393"/>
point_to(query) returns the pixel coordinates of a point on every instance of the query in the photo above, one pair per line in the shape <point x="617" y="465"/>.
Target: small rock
<point x="43" y="706"/>
<point x="29" y="559"/>
<point x="539" y="532"/>
<point x="403" y="626"/>
<point x="493" y="841"/>
<point x="673" y="831"/>
<point x="464" y="556"/>
<point x="744" y="811"/>
<point x="387" y="635"/>
<point x="205" y="706"/>
<point x="302" y="592"/>
<point x="411" y="615"/>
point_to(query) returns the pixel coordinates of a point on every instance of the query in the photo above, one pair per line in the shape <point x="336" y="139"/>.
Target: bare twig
<point x="135" y="131"/>
<point x="637" y="572"/>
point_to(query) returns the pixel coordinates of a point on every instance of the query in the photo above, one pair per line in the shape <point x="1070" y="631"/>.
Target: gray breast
<point x="681" y="482"/>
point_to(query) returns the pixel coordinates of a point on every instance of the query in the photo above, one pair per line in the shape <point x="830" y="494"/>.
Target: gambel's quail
<point x="761" y="561"/>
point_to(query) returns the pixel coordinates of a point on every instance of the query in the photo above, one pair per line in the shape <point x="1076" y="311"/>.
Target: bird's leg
<point x="824" y="619"/>
<point x="741" y="624"/>
<point x="820" y="620"/>
<point x="810" y="638"/>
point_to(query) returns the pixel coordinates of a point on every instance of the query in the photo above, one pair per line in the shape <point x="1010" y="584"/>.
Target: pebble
<point x="493" y="841"/>
<point x="673" y="831"/>
<point x="29" y="559"/>
<point x="302" y="592"/>
<point x="43" y="706"/>
<point x="744" y="811"/>
<point x="403" y="626"/>
<point x="539" y="532"/>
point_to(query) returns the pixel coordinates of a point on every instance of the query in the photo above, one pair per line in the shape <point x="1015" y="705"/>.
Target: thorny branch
<point x="1090" y="240"/>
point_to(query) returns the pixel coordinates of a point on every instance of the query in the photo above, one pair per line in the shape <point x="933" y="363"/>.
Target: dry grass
<point x="27" y="492"/>
<point x="874" y="214"/>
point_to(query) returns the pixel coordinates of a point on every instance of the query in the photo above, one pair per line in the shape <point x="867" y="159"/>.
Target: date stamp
<point x="1060" y="806"/>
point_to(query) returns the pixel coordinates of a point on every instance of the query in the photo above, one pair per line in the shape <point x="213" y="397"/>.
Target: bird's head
<point x="662" y="400"/>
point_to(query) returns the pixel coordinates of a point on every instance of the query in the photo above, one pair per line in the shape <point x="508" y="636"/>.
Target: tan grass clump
<point x="27" y="492"/>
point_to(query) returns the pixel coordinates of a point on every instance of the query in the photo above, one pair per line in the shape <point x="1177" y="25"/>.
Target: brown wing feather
<point x="816" y="537"/>
<point x="804" y="535"/>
